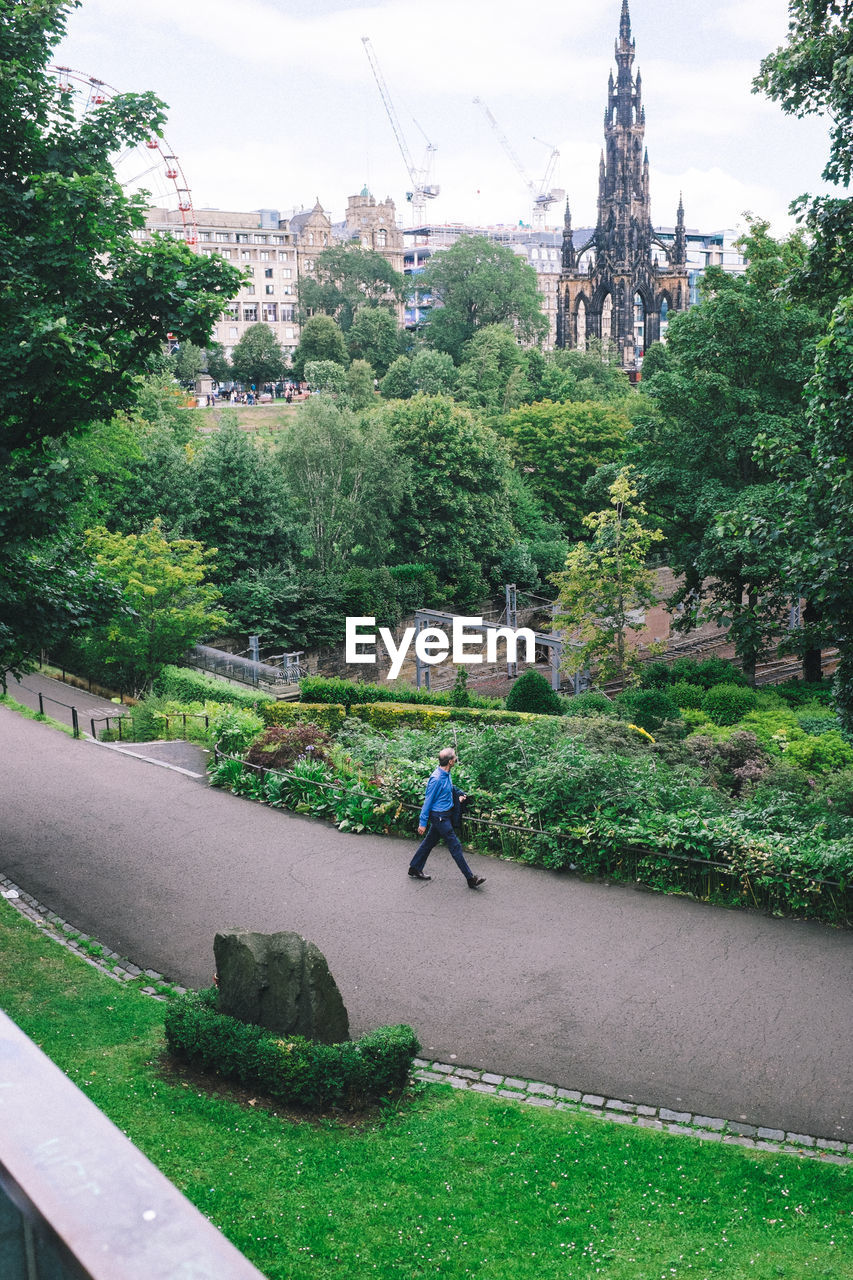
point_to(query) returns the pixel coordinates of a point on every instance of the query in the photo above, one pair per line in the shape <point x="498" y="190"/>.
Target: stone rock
<point x="279" y="981"/>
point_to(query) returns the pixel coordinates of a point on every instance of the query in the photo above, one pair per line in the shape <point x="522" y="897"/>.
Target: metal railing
<point x="168" y="716"/>
<point x="77" y="1200"/>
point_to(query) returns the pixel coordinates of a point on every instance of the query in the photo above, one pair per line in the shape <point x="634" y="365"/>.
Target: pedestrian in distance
<point x="435" y="822"/>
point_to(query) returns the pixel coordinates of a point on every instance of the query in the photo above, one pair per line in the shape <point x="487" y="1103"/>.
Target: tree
<point x="346" y="279"/>
<point x="476" y="283"/>
<point x="489" y="360"/>
<point x="188" y="362"/>
<point x="455" y="515"/>
<point x="605" y="584"/>
<point x="321" y="339"/>
<point x="728" y="400"/>
<point x="398" y="383"/>
<point x="218" y="365"/>
<point x="558" y="448"/>
<point x="241" y="505"/>
<point x="360" y="388"/>
<point x="326" y="377"/>
<point x="84" y="306"/>
<point x="433" y="373"/>
<point x="374" y="337"/>
<point x="258" y="358"/>
<point x="594" y="374"/>
<point x="827" y="558"/>
<point x="173" y="606"/>
<point x="344" y="482"/>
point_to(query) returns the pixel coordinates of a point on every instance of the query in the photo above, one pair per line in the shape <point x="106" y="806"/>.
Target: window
<point x="245" y="253"/>
<point x="207" y="253"/>
<point x="232" y="312"/>
<point x="270" y="312"/>
<point x="286" y="312"/>
<point x="381" y="238"/>
<point x="249" y="270"/>
<point x="286" y="273"/>
<point x="268" y="273"/>
<point x="241" y="237"/>
<point x="204" y="235"/>
<point x="309" y="264"/>
<point x="222" y="235"/>
<point x="287" y="288"/>
<point x="225" y="253"/>
<point x="259" y="239"/>
<point x="277" y="239"/>
<point x="269" y="288"/>
<point x="264" y="255"/>
<point x="250" y="312"/>
<point x="283" y="255"/>
<point x="232" y="332"/>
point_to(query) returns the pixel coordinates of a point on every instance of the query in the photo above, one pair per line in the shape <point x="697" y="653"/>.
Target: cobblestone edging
<point x="711" y="1128"/>
<point x="534" y="1092"/>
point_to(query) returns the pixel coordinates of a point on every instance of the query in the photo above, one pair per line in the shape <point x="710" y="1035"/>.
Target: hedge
<point x="185" y="685"/>
<point x="327" y="715"/>
<point x="291" y="1069"/>
<point x="352" y="692"/>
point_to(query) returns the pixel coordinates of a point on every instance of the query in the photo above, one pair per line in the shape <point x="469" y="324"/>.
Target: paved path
<point x="608" y="990"/>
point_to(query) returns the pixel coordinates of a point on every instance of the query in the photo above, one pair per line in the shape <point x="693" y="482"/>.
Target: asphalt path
<point x="607" y="989"/>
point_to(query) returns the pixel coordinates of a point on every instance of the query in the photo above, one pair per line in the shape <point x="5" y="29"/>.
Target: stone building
<point x="263" y="244"/>
<point x="623" y="282"/>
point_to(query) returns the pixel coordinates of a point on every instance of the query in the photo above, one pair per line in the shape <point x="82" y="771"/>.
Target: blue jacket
<point x="439" y="795"/>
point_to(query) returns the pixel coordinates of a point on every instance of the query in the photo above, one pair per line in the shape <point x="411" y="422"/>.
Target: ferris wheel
<point x="150" y="168"/>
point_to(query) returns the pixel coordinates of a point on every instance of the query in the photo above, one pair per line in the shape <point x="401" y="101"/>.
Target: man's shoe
<point x="474" y="882"/>
<point x="418" y="875"/>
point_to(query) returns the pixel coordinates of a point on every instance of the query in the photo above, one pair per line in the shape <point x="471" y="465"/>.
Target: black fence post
<point x="75" y="723"/>
<point x="94" y="734"/>
<point x="41" y="705"/>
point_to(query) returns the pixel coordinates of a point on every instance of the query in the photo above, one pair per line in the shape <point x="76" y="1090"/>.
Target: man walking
<point x="437" y="813"/>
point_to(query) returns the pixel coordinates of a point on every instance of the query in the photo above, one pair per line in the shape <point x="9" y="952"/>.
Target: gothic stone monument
<point x="279" y="981"/>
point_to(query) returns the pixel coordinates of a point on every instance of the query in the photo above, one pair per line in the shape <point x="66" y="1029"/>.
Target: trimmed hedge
<point x="292" y="1069"/>
<point x="356" y="692"/>
<point x="326" y="715"/>
<point x="185" y="685"/>
<point x="532" y="692"/>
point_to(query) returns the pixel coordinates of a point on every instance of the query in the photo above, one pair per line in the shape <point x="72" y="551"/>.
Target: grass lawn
<point x="443" y="1184"/>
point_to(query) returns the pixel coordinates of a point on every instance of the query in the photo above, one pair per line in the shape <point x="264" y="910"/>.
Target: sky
<point x="273" y="104"/>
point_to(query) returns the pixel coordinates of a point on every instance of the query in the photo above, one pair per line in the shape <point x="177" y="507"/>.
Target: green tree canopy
<point x="258" y="358"/>
<point x="476" y="283"/>
<point x="320" y="339"/>
<point x="346" y="278"/>
<point x="456" y="514"/>
<point x="374" y="336"/>
<point x="485" y="375"/>
<point x="558" y="448"/>
<point x="170" y="605"/>
<point x="606" y="585"/>
<point x="84" y="306"/>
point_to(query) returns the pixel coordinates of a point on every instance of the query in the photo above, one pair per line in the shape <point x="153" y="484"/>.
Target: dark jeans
<point x="440" y="827"/>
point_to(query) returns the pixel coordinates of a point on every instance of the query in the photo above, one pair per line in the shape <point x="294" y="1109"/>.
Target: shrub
<point x="796" y="692"/>
<point x="648" y="708"/>
<point x="705" y="674"/>
<point x="292" y="1069"/>
<point x="326" y="715"/>
<point x="389" y="716"/>
<point x="459" y="694"/>
<point x="838" y="792"/>
<point x="356" y="692"/>
<point x="685" y="695"/>
<point x="233" y="728"/>
<point x="591" y="703"/>
<point x="727" y="703"/>
<point x="279" y="746"/>
<point x="186" y="685"/>
<point x="532" y="692"/>
<point x="825" y="754"/>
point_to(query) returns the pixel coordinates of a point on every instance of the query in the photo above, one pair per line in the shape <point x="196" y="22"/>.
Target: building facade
<point x="623" y="282"/>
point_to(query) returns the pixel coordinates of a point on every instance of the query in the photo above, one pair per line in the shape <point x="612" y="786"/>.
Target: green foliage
<point x="344" y="482"/>
<point x="591" y="703"/>
<point x="188" y="362"/>
<point x="476" y="283"/>
<point x="605" y="583"/>
<point x="187" y="686"/>
<point x="397" y="383"/>
<point x="455" y="516"/>
<point x="559" y="446"/>
<point x="233" y="728"/>
<point x="173" y="606"/>
<point x="685" y="694"/>
<point x="532" y="692"/>
<point x="489" y="362"/>
<point x="460" y="695"/>
<point x="374" y="337"/>
<point x="349" y="281"/>
<point x="727" y="703"/>
<point x="320" y="339"/>
<point x="324" y="715"/>
<point x="359" y="385"/>
<point x="320" y="689"/>
<point x="258" y="358"/>
<point x="292" y="1069"/>
<point x="826" y="753"/>
<point x="649" y="708"/>
<point x="325" y="376"/>
<point x="703" y="673"/>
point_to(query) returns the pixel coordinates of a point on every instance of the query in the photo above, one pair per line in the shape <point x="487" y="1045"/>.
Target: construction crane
<point x="543" y="195"/>
<point x="423" y="189"/>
